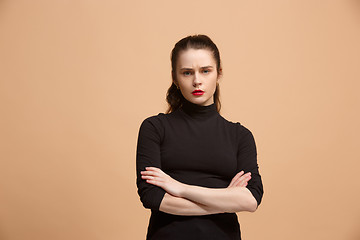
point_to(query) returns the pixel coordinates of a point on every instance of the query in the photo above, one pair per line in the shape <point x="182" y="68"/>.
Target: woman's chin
<point x="199" y="100"/>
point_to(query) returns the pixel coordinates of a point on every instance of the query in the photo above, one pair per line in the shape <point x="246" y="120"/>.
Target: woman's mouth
<point x="198" y="92"/>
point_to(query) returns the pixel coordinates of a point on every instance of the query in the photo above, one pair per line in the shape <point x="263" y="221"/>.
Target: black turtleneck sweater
<point x="194" y="145"/>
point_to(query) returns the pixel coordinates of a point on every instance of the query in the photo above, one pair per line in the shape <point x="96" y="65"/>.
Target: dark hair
<point x="174" y="97"/>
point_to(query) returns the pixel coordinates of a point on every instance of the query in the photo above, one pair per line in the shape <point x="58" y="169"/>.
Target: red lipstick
<point x="198" y="92"/>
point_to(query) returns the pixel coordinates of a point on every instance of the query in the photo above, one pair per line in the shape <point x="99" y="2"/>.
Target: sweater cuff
<point x="256" y="195"/>
<point x="152" y="199"/>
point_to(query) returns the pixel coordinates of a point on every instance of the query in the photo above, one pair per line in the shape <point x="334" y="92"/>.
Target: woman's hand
<point x="157" y="177"/>
<point x="240" y="180"/>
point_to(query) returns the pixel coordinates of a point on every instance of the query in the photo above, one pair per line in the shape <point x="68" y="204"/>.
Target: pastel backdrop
<point x="78" y="77"/>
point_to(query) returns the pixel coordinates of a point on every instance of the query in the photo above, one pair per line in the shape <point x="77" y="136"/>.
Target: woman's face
<point x="197" y="76"/>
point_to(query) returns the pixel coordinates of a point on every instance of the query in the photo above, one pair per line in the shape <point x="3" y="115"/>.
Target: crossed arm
<point x="184" y="199"/>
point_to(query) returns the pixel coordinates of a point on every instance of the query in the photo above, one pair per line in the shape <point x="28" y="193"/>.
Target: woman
<point x="195" y="169"/>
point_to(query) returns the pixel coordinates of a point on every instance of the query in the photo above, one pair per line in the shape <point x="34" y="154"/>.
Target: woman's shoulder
<point x="161" y="117"/>
<point x="237" y="127"/>
<point x="154" y="119"/>
<point x="153" y="125"/>
<point x="159" y="120"/>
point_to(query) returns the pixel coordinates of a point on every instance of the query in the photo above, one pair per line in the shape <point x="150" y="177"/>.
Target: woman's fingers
<point x="153" y="178"/>
<point x="152" y="171"/>
<point x="147" y="177"/>
<point x="235" y="178"/>
<point x="240" y="180"/>
<point x="243" y="180"/>
<point x="154" y="175"/>
<point x="246" y="177"/>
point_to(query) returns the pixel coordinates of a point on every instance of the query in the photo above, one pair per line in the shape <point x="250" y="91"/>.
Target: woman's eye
<point x="187" y="73"/>
<point x="205" y="71"/>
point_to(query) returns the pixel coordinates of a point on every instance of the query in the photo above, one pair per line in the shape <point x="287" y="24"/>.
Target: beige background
<point x="78" y="78"/>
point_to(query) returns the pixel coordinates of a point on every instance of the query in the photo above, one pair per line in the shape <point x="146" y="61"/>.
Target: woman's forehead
<point x="191" y="58"/>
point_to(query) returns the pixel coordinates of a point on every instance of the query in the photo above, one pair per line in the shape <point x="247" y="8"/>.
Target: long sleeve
<point x="247" y="161"/>
<point x="196" y="146"/>
<point x="148" y="155"/>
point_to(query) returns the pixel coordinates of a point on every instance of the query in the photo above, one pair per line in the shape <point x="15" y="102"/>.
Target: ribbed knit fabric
<point x="195" y="145"/>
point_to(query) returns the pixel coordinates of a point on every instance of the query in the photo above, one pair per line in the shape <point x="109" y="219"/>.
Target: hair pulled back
<point x="174" y="97"/>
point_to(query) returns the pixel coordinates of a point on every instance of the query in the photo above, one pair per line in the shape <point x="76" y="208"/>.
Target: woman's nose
<point x="197" y="80"/>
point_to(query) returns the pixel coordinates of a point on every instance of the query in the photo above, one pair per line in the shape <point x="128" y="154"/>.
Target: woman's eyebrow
<point x="192" y="68"/>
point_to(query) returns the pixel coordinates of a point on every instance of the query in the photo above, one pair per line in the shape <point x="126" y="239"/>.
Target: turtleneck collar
<point x="198" y="111"/>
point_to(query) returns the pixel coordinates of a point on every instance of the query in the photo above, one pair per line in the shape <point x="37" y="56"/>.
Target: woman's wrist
<point x="187" y="191"/>
<point x="183" y="189"/>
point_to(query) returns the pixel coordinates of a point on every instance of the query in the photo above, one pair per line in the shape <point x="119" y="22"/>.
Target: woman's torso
<point x="198" y="147"/>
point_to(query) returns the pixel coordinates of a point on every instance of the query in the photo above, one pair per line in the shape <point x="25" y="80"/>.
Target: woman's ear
<point x="173" y="76"/>
<point x="220" y="74"/>
<point x="176" y="84"/>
